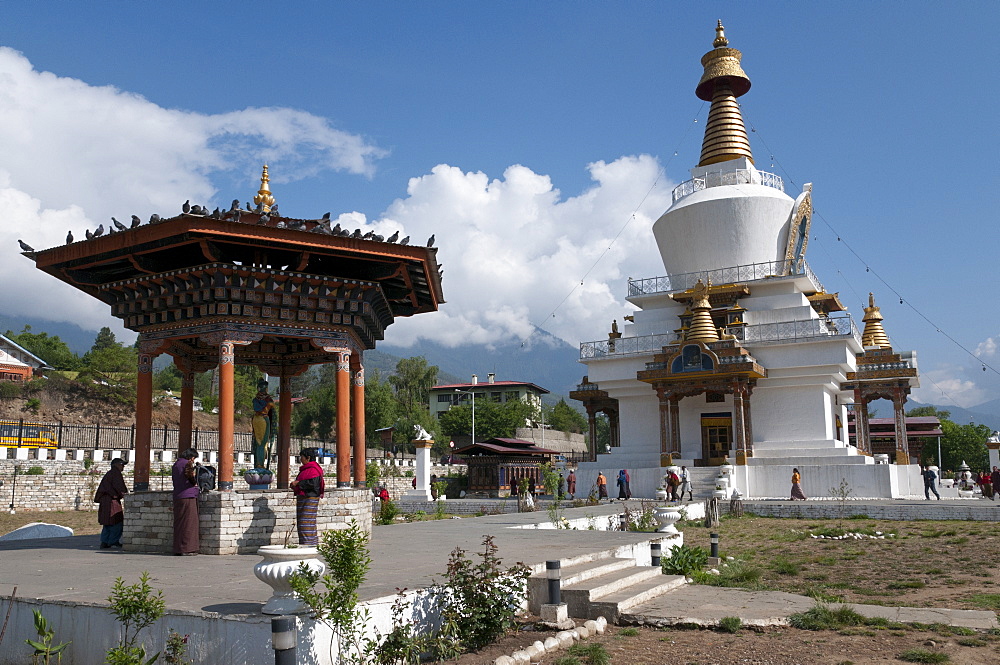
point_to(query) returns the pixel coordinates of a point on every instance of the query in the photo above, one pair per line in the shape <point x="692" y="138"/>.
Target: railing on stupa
<point x="733" y="275"/>
<point x="786" y="332"/>
<point x="728" y="177"/>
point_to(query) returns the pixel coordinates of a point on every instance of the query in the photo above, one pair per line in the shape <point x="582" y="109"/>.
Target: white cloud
<point x="987" y="348"/>
<point x="946" y="386"/>
<point x="514" y="251"/>
<point x="75" y="154"/>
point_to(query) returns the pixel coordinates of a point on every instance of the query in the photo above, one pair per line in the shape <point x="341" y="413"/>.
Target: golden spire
<point x="874" y="334"/>
<point x="701" y="328"/>
<point x="264" y="198"/>
<point x="723" y="81"/>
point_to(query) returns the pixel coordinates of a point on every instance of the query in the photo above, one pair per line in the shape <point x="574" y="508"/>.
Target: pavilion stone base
<point x="237" y="522"/>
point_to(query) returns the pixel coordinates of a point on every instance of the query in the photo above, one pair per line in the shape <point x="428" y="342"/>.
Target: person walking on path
<point x="571" y="484"/>
<point x="308" y="487"/>
<point x="929" y="481"/>
<point x="686" y="484"/>
<point x="602" y="486"/>
<point x="995" y="477"/>
<point x="110" y="514"/>
<point x="183" y="475"/>
<point x="623" y="488"/>
<point x="673" y="482"/>
<point x="797" y="492"/>
<point x="561" y="488"/>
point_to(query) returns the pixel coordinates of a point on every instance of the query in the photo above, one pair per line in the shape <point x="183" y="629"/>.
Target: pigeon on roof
<point x="136" y="221"/>
<point x="25" y="247"/>
<point x="100" y="231"/>
<point x="430" y="241"/>
<point x="69" y="238"/>
<point x="186" y="208"/>
<point x="118" y="225"/>
<point x="393" y="238"/>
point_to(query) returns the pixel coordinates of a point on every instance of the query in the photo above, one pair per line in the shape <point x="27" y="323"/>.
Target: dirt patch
<point x="773" y="646"/>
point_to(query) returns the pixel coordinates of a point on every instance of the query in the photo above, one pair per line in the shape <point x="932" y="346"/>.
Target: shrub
<point x="822" y="617"/>
<point x="9" y="390"/>
<point x="783" y="566"/>
<point x="595" y="654"/>
<point x="684" y="560"/>
<point x="730" y="624"/>
<point x="922" y="656"/>
<point x="32" y="404"/>
<point x="629" y="632"/>
<point x="35" y="471"/>
<point x="387" y="513"/>
<point x="136" y="607"/>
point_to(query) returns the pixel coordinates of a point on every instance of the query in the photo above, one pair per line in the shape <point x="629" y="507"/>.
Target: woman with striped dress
<point x="308" y="487"/>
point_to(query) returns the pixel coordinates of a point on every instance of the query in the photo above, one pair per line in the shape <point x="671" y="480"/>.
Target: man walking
<point x="929" y="478"/>
<point x="686" y="483"/>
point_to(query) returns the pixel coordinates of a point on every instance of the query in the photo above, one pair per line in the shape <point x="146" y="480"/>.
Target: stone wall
<point x="969" y="509"/>
<point x="564" y="442"/>
<point x="238" y="522"/>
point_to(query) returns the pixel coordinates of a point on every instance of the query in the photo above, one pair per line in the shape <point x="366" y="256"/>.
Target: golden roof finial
<point x="720" y="36"/>
<point x="701" y="328"/>
<point x="264" y="198"/>
<point x="874" y="334"/>
<point x="723" y="81"/>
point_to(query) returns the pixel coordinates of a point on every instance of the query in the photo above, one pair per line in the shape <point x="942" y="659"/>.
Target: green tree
<point x="105" y="340"/>
<point x="926" y="411"/>
<point x="964" y="443"/>
<point x="492" y="419"/>
<point x="52" y="350"/>
<point x="381" y="408"/>
<point x="565" y="418"/>
<point x="603" y="428"/>
<point x="412" y="381"/>
<point x="168" y="378"/>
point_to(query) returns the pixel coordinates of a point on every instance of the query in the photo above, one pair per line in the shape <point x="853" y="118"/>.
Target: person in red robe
<point x="308" y="487"/>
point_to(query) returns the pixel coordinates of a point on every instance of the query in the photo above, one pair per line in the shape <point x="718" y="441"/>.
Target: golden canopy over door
<point x="716" y="439"/>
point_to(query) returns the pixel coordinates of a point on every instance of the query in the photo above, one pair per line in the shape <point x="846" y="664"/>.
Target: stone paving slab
<point x="706" y="605"/>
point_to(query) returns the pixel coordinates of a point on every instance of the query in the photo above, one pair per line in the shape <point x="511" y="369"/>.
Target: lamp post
<point x="473" y="394"/>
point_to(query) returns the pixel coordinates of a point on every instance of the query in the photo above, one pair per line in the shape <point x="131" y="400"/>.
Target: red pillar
<point x="284" y="431"/>
<point x="899" y="414"/>
<point x="143" y="421"/>
<point x="343" y="420"/>
<point x="227" y="365"/>
<point x="358" y="418"/>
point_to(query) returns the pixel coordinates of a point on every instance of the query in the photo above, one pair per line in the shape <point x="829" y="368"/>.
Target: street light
<point x="473" y="393"/>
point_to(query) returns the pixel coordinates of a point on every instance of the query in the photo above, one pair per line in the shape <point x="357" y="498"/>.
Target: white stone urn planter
<point x="279" y="562"/>
<point x="720" y="493"/>
<point x="725" y="469"/>
<point x="965" y="494"/>
<point x="661" y="494"/>
<point x="667" y="517"/>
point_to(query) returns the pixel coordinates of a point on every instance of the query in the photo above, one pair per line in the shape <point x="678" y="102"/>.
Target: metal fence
<point x="728" y="177"/>
<point x="731" y="275"/>
<point x="104" y="437"/>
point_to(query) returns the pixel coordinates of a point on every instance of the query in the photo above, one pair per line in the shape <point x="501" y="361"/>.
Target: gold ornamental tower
<point x="874" y="334"/>
<point x="723" y="81"/>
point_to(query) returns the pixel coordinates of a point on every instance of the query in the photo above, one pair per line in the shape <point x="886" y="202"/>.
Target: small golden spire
<point x="720" y="36"/>
<point x="723" y="81"/>
<point x="874" y="334"/>
<point x="701" y="328"/>
<point x="264" y="198"/>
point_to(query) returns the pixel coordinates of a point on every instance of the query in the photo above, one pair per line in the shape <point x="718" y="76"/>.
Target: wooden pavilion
<point x="493" y="464"/>
<point x="249" y="286"/>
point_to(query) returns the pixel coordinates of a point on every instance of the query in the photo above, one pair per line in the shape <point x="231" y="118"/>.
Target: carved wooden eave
<point x="722" y="295"/>
<point x="728" y="360"/>
<point x="824" y="303"/>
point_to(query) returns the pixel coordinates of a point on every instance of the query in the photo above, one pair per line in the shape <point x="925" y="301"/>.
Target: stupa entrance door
<point x="716" y="439"/>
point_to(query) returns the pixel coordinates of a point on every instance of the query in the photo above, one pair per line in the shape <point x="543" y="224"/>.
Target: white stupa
<point x="738" y="353"/>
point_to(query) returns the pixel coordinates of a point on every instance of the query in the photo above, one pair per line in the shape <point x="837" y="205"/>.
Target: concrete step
<point x="573" y="574"/>
<point x="580" y="597"/>
<point x="613" y="605"/>
<point x="806" y="461"/>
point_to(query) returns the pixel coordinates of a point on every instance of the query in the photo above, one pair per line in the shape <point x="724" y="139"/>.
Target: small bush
<point x="629" y="632"/>
<point x="387" y="512"/>
<point x="595" y="654"/>
<point x="783" y="566"/>
<point x="822" y="617"/>
<point x="990" y="601"/>
<point x="684" y="560"/>
<point x="35" y="471"/>
<point x="922" y="656"/>
<point x="9" y="390"/>
<point x="730" y="624"/>
<point x="32" y="404"/>
<point x="907" y="584"/>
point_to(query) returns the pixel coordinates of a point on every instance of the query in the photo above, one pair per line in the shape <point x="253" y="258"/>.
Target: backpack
<point x="204" y="478"/>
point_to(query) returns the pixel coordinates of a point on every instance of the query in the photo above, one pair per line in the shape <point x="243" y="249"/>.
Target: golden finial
<point x="874" y="334"/>
<point x="264" y="198"/>
<point x="701" y="328"/>
<point x="720" y="36"/>
<point x="723" y="81"/>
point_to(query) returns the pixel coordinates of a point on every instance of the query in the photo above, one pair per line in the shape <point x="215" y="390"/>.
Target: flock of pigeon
<point x="321" y="226"/>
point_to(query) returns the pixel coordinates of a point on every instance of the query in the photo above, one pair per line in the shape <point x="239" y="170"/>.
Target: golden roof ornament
<point x="723" y="81"/>
<point x="701" y="328"/>
<point x="264" y="198"/>
<point x="874" y="334"/>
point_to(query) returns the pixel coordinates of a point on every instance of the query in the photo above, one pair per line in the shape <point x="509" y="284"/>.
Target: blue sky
<point x="524" y="135"/>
